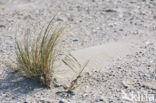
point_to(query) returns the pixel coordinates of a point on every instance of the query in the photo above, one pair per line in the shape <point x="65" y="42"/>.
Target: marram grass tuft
<point x="36" y="59"/>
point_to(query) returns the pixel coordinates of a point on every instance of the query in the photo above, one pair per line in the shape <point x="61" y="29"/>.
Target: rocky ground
<point x="129" y="79"/>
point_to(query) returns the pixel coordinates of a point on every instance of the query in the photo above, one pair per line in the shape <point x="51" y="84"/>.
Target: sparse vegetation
<point x="36" y="59"/>
<point x="74" y="65"/>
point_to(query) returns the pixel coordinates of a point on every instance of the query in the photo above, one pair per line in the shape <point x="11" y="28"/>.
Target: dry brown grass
<point x="74" y="65"/>
<point x="36" y="59"/>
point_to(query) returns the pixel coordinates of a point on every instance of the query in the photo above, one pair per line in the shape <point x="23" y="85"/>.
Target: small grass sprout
<point x="74" y="64"/>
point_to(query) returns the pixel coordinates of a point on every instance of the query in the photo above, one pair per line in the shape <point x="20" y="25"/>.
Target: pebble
<point x="57" y="85"/>
<point x="2" y="26"/>
<point x="100" y="99"/>
<point x="75" y="40"/>
<point x="63" y="101"/>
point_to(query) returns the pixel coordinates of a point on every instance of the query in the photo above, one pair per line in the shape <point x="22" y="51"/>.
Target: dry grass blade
<point x="73" y="63"/>
<point x="36" y="59"/>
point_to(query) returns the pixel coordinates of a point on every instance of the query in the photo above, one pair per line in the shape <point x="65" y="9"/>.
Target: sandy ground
<point x="118" y="36"/>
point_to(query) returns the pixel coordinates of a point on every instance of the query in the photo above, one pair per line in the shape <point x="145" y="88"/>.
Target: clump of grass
<point x="36" y="59"/>
<point x="74" y="64"/>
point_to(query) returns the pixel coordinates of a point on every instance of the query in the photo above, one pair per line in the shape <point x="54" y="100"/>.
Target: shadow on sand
<point x="16" y="86"/>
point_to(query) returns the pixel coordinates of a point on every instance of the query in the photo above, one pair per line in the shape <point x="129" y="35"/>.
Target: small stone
<point x="154" y="17"/>
<point x="127" y="84"/>
<point x="45" y="101"/>
<point x="85" y="95"/>
<point x="75" y="40"/>
<point x="120" y="29"/>
<point x="148" y="43"/>
<point x="110" y="10"/>
<point x="80" y="21"/>
<point x="2" y="26"/>
<point x="57" y="85"/>
<point x="59" y="19"/>
<point x="100" y="99"/>
<point x="89" y="73"/>
<point x="42" y="101"/>
<point x="62" y="101"/>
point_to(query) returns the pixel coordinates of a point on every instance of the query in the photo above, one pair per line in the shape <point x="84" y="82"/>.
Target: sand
<point x="117" y="36"/>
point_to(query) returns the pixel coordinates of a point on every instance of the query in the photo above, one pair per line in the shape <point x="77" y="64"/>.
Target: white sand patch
<point x="99" y="56"/>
